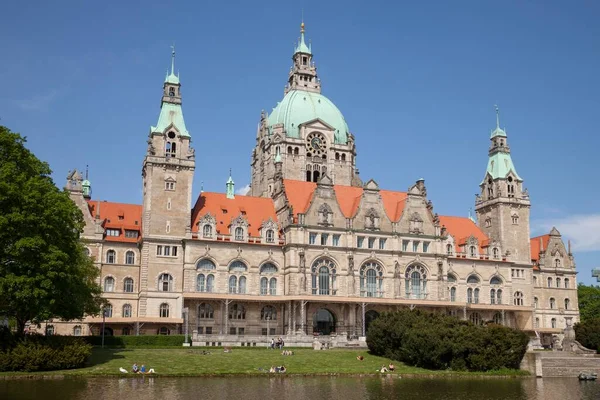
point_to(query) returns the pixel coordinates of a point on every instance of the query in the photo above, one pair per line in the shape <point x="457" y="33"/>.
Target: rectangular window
<point x="200" y="330"/>
<point x="272" y="331"/>
<point x="159" y="250"/>
<point x="382" y="244"/>
<point x="324" y="238"/>
<point x="425" y="247"/>
<point x="415" y="246"/>
<point x="131" y="234"/>
<point x="312" y="238"/>
<point x="241" y="331"/>
<point x="113" y="232"/>
<point x="169" y="185"/>
<point x="359" y="241"/>
<point x="167" y="251"/>
<point x="405" y="245"/>
<point x="264" y="331"/>
<point x="371" y="242"/>
<point x="336" y="240"/>
<point x="209" y="330"/>
<point x="232" y="330"/>
<point x="174" y="251"/>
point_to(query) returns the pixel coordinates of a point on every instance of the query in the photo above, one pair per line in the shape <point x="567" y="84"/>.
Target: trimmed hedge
<point x="138" y="341"/>
<point x="436" y="341"/>
<point x="42" y="353"/>
<point x="588" y="333"/>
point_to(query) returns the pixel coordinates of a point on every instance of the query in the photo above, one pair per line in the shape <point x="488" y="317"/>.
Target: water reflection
<point x="297" y="388"/>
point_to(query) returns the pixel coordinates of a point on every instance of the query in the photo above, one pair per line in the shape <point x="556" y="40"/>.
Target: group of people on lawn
<point x="277" y="344"/>
<point x="141" y="370"/>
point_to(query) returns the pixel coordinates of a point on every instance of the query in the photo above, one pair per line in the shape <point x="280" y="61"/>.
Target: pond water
<point x="296" y="388"/>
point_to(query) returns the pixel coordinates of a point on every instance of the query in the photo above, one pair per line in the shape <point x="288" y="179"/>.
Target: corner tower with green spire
<point x="503" y="206"/>
<point x="306" y="129"/>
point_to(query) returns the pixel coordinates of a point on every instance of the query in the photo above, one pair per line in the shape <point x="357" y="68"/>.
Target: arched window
<point x="537" y="322"/>
<point x="164" y="310"/>
<point x="495" y="253"/>
<point x="130" y="258"/>
<point x="557" y="263"/>
<point x="108" y="310"/>
<point x="242" y="285"/>
<point x="273" y="286"/>
<point x="296" y="151"/>
<point x="206" y="264"/>
<point x="498" y="318"/>
<point x="268" y="268"/>
<point x="109" y="284"/>
<point x="518" y="299"/>
<point x="473" y="279"/>
<point x="451" y="278"/>
<point x="552" y="303"/>
<point x="473" y="251"/>
<point x="371" y="280"/>
<point x="493" y="296"/>
<point x="239" y="233"/>
<point x="77" y="330"/>
<point x="264" y="286"/>
<point x="270" y="236"/>
<point x="535" y="302"/>
<point x="416" y="282"/>
<point x="553" y="322"/>
<point x="476" y="296"/>
<point x="452" y="294"/>
<point x="323" y="277"/>
<point x="268" y="312"/>
<point x="495" y="281"/>
<point x="111" y="257"/>
<point x="449" y="249"/>
<point x="558" y="282"/>
<point x="205" y="311"/>
<point x="237" y="266"/>
<point x="201" y="282"/>
<point x="49" y="330"/>
<point x="499" y="296"/>
<point x="88" y="253"/>
<point x="164" y="331"/>
<point x="567" y="304"/>
<point x="535" y="282"/>
<point x="165" y="283"/>
<point x="207" y="231"/>
<point x="549" y="282"/>
<point x="233" y="284"/>
<point x="515" y="219"/>
<point x="126" y="311"/>
<point x="237" y="311"/>
<point x="566" y="283"/>
<point x="128" y="285"/>
<point x="476" y="318"/>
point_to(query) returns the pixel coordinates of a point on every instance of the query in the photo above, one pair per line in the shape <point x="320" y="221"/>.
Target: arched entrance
<point x="370" y="316"/>
<point x="107" y="331"/>
<point x="324" y="322"/>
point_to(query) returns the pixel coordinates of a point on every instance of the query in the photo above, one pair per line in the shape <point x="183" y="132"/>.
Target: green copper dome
<point x="299" y="107"/>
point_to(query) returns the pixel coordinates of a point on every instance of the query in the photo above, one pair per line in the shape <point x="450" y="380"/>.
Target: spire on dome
<point x="498" y="131"/>
<point x="230" y="187"/>
<point x="302" y="47"/>
<point x="172" y="78"/>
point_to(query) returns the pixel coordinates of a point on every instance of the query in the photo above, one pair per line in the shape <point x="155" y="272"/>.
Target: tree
<point x="589" y="302"/>
<point x="44" y="272"/>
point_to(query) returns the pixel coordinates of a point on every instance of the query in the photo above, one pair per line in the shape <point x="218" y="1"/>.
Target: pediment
<point x="414" y="190"/>
<point x="371" y="185"/>
<point x="325" y="180"/>
<point x="318" y="123"/>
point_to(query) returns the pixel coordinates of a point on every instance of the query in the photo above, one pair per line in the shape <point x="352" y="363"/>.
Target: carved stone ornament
<point x="351" y="265"/>
<point x="415" y="224"/>
<point x="239" y="221"/>
<point x="397" y="270"/>
<point x="269" y="224"/>
<point x="372" y="219"/>
<point x="191" y="153"/>
<point x="207" y="218"/>
<point x="302" y="262"/>
<point x="325" y="215"/>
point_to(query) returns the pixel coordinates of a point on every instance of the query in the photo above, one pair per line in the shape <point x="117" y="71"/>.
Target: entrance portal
<point x="324" y="322"/>
<point x="370" y="316"/>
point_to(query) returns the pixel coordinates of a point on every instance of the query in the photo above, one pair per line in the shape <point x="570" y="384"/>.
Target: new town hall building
<point x="312" y="249"/>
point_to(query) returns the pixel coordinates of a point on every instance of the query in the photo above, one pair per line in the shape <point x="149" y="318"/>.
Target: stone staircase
<point x="555" y="364"/>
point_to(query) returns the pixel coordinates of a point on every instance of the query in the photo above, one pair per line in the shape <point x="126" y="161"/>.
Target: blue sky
<point x="416" y="81"/>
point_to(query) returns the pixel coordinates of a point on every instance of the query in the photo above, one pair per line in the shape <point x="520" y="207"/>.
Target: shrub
<point x="588" y="333"/>
<point x="436" y="341"/>
<point x="138" y="341"/>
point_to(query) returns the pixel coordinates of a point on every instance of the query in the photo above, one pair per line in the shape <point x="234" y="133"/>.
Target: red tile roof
<point x="535" y="246"/>
<point x="300" y="194"/>
<point x="461" y="228"/>
<point x="256" y="210"/>
<point x="118" y="216"/>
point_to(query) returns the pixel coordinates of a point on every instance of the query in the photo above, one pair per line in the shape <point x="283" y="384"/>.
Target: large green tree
<point x="589" y="302"/>
<point x="44" y="272"/>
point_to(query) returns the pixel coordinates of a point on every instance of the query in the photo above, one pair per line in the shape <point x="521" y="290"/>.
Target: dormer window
<point x="473" y="251"/>
<point x="304" y="60"/>
<point x="239" y="233"/>
<point x="495" y="252"/>
<point x="557" y="263"/>
<point x="449" y="249"/>
<point x="207" y="231"/>
<point x="270" y="236"/>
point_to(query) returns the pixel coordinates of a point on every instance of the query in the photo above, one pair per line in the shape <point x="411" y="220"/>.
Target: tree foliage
<point x="44" y="272"/>
<point x="588" y="333"/>
<point x="589" y="302"/>
<point x="436" y="341"/>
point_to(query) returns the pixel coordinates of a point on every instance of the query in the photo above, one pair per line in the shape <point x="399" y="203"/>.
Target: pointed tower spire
<point x="303" y="75"/>
<point x="497" y="117"/>
<point x="173" y="59"/>
<point x="202" y="187"/>
<point x="230" y="187"/>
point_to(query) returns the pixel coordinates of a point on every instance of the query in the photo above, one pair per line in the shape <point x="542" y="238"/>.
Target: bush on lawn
<point x="138" y="341"/>
<point x="588" y="333"/>
<point x="436" y="341"/>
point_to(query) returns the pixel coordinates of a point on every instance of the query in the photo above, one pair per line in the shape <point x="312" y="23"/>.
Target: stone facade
<point x="312" y="254"/>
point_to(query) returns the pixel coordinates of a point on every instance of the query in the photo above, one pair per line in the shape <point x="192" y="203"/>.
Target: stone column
<point x="364" y="325"/>
<point x="226" y="315"/>
<point x="282" y="318"/>
<point x="465" y="313"/>
<point x="289" y="328"/>
<point x="503" y="318"/>
<point x="303" y="316"/>
<point x="294" y="306"/>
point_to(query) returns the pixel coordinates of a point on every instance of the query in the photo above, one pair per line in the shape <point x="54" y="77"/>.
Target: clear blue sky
<point x="417" y="83"/>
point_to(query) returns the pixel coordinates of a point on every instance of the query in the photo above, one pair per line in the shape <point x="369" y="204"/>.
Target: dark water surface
<point x="296" y="388"/>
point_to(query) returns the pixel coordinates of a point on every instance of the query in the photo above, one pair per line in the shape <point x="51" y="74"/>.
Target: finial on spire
<point x="497" y="117"/>
<point x="201" y="186"/>
<point x="86" y="171"/>
<point x="230" y="187"/>
<point x="173" y="59"/>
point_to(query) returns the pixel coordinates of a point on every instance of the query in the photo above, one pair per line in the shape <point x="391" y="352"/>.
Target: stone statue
<point x="396" y="270"/>
<point x="351" y="278"/>
<point x="151" y="150"/>
<point x="191" y="153"/>
<point x="351" y="265"/>
<point x="302" y="272"/>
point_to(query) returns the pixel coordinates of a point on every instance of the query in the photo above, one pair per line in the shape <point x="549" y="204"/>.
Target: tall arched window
<point x="495" y="253"/>
<point x="128" y="285"/>
<point x="205" y="283"/>
<point x="239" y="233"/>
<point x="205" y="311"/>
<point x="165" y="283"/>
<point x="549" y="282"/>
<point x="449" y="250"/>
<point x="518" y="299"/>
<point x="553" y="322"/>
<point x="130" y="258"/>
<point x="557" y="263"/>
<point x="323" y="277"/>
<point x="264" y="286"/>
<point x="207" y="231"/>
<point x="567" y="304"/>
<point x="164" y="310"/>
<point x="558" y="282"/>
<point x="537" y="322"/>
<point x="268" y="312"/>
<point x="498" y="318"/>
<point x="416" y="282"/>
<point x="452" y="294"/>
<point x="371" y="280"/>
<point x="108" y="310"/>
<point x="476" y="296"/>
<point x="552" y="303"/>
<point x="270" y="235"/>
<point x="535" y="282"/>
<point x="109" y="284"/>
<point x="242" y="285"/>
<point x="473" y="251"/>
<point x="535" y="302"/>
<point x="127" y="311"/>
<point x="493" y="296"/>
<point x="233" y="284"/>
<point x="111" y="257"/>
<point x="499" y="296"/>
<point x="77" y="330"/>
<point x="273" y="286"/>
<point x="566" y="283"/>
<point x="237" y="311"/>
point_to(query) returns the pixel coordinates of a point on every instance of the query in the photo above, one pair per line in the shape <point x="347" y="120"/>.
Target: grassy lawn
<point x="191" y="362"/>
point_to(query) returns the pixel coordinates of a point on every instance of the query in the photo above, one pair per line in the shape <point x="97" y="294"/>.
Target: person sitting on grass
<point x="135" y="368"/>
<point x="282" y="369"/>
<point x="391" y="367"/>
<point x="383" y="369"/>
<point x="360" y="358"/>
<point x="272" y="370"/>
<point x="143" y="369"/>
